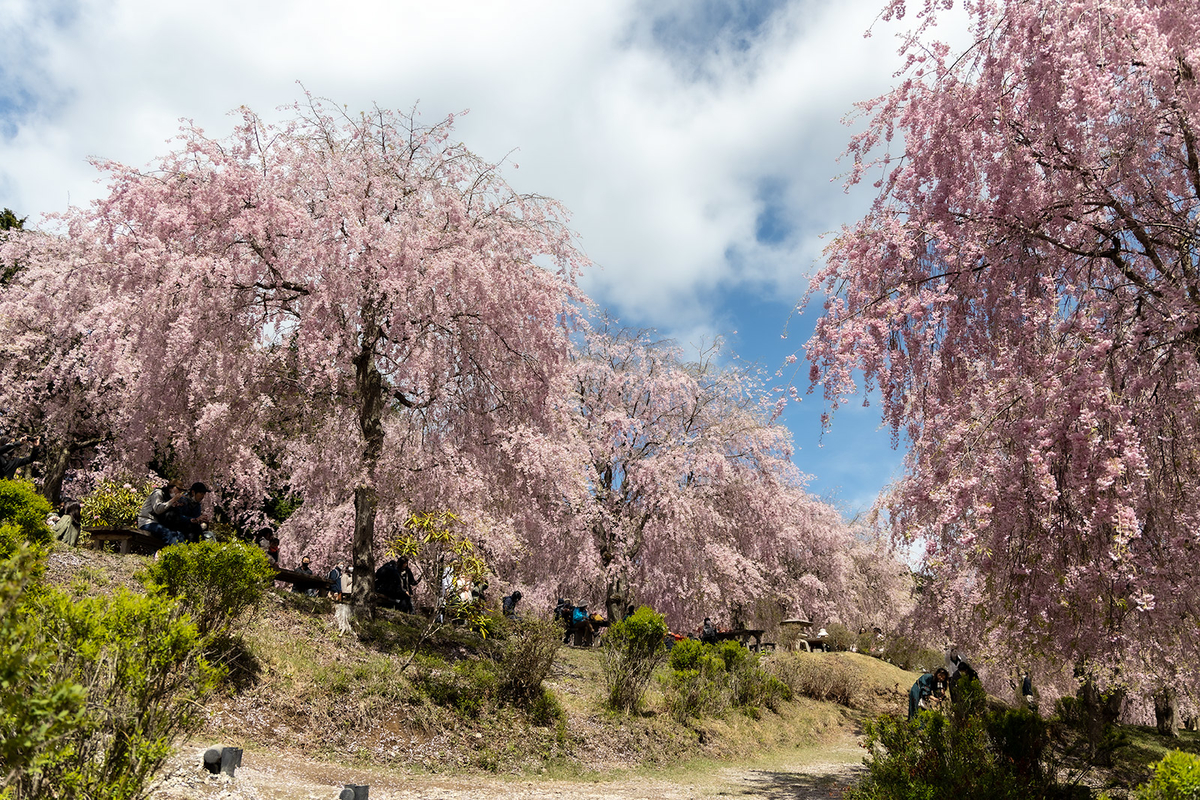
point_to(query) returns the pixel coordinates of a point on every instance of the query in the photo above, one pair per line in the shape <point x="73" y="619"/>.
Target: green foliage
<point x="281" y="505"/>
<point x="686" y="654"/>
<point x="10" y="221"/>
<point x="524" y="657"/>
<point x="632" y="649"/>
<point x="431" y="540"/>
<point x="511" y="673"/>
<point x="22" y="506"/>
<point x="1176" y="777"/>
<point x="988" y="756"/>
<point x="95" y="689"/>
<point x="37" y="709"/>
<point x="710" y="679"/>
<point x="115" y="503"/>
<point x="840" y="638"/>
<point x="466" y="688"/>
<point x="215" y="582"/>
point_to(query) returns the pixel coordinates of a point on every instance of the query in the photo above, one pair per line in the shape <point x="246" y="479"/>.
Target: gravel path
<point x="810" y="774"/>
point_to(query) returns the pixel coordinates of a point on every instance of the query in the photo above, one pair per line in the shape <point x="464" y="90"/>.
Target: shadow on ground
<point x="799" y="786"/>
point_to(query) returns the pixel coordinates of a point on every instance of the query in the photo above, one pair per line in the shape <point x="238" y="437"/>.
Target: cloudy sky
<point x="695" y="141"/>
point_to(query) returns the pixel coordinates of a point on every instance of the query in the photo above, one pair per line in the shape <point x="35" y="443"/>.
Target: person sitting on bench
<point x="155" y="516"/>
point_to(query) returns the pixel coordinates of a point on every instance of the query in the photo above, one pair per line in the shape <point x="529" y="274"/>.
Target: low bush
<point x="524" y="656"/>
<point x="116" y="502"/>
<point x="466" y="687"/>
<point x="21" y="506"/>
<point x="986" y="756"/>
<point x="829" y="680"/>
<point x="1176" y="777"/>
<point x="37" y="710"/>
<point x="215" y="582"/>
<point x="709" y="679"/>
<point x="632" y="649"/>
<point x="95" y="690"/>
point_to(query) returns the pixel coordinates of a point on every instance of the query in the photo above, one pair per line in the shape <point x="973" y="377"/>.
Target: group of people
<point x="934" y="685"/>
<point x="17" y="453"/>
<point x="175" y="514"/>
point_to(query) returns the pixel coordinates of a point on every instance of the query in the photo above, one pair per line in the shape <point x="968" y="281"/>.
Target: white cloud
<point x="669" y="147"/>
<point x="661" y="167"/>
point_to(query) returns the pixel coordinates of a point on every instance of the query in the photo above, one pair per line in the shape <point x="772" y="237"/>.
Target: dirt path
<point x="803" y="775"/>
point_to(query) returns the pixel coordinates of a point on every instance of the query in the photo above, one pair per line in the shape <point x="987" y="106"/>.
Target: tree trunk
<point x="54" y="462"/>
<point x="1166" y="711"/>
<point x="368" y="383"/>
<point x="617" y="599"/>
<point x="365" y="502"/>
<point x="1100" y="711"/>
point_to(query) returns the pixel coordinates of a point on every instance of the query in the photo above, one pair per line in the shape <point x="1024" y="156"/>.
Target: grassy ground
<point x="363" y="699"/>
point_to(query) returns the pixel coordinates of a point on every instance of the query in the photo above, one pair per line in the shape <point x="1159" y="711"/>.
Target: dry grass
<point x="298" y="685"/>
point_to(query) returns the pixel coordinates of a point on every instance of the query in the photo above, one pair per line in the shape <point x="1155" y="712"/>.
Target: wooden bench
<point x="301" y="580"/>
<point x="128" y="540"/>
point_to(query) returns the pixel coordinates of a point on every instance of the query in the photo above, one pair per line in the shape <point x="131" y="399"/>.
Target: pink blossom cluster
<point x="1025" y="296"/>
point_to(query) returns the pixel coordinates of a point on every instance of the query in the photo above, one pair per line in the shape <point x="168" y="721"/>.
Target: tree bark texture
<point x="1166" y="711"/>
<point x="369" y="386"/>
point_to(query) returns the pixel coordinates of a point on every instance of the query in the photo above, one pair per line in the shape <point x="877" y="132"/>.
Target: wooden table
<point x="743" y="635"/>
<point x="127" y="539"/>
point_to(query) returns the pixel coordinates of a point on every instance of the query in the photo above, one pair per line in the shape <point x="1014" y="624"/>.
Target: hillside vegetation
<point x="298" y="684"/>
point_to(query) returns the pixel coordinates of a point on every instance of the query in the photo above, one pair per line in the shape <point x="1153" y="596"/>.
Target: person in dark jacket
<point x="306" y="568"/>
<point x="158" y="512"/>
<point x="188" y="517"/>
<point x="10" y="462"/>
<point x="508" y="603"/>
<point x="408" y="582"/>
<point x="960" y="673"/>
<point x="926" y="686"/>
<point x="708" y="632"/>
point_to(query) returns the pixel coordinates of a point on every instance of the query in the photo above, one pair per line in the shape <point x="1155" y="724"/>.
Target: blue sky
<point x="695" y="141"/>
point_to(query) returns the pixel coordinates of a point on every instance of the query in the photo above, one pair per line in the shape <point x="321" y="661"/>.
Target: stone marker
<point x="231" y="759"/>
<point x="212" y="760"/>
<point x="354" y="792"/>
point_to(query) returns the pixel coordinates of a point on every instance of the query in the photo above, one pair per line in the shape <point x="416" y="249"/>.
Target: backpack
<point x="578" y="614"/>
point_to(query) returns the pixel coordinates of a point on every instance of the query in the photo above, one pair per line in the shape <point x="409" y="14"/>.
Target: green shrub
<point x="466" y="688"/>
<point x="544" y="710"/>
<point x="1176" y="777"/>
<point x="686" y="654"/>
<point x="709" y="679"/>
<point x="694" y="693"/>
<point x="984" y="757"/>
<point x="840" y="638"/>
<point x="524" y="657"/>
<point x="22" y="506"/>
<point x="97" y="689"/>
<point x="632" y="649"/>
<point x="115" y="503"/>
<point x="215" y="582"/>
<point x="37" y="709"/>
